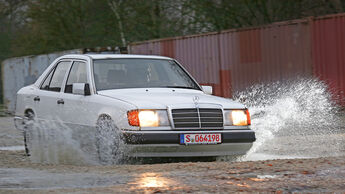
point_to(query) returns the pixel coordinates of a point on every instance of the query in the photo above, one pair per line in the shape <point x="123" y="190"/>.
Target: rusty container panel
<point x="168" y="48"/>
<point x="234" y="60"/>
<point x="229" y="55"/>
<point x="146" y="48"/>
<point x="273" y="53"/>
<point x="328" y="35"/>
<point x="200" y="56"/>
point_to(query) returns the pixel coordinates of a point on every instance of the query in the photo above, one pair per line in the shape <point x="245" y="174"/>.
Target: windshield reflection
<point x="140" y="73"/>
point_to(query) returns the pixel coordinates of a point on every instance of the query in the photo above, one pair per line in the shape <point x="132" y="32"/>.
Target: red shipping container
<point x="233" y="60"/>
<point x="329" y="53"/>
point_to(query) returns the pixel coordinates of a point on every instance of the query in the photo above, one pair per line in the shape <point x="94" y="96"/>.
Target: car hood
<point x="161" y="98"/>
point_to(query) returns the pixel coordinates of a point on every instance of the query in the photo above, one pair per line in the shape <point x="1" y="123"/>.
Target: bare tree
<point x="115" y="7"/>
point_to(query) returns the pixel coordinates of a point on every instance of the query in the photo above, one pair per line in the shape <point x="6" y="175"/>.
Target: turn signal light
<point x="249" y="122"/>
<point x="143" y="118"/>
<point x="133" y="118"/>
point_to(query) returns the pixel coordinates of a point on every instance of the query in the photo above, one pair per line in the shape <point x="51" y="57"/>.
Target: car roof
<point x="107" y="56"/>
<point x="115" y="56"/>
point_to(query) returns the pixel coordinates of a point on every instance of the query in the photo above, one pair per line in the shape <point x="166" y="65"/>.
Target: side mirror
<point x="81" y="89"/>
<point x="207" y="89"/>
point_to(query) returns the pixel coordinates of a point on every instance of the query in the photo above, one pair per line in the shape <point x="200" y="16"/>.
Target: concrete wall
<point x="22" y="71"/>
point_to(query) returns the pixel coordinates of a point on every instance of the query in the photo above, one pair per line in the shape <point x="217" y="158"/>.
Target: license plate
<point x="208" y="138"/>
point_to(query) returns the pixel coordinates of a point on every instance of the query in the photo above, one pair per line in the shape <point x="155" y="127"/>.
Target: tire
<point x="108" y="141"/>
<point x="28" y="125"/>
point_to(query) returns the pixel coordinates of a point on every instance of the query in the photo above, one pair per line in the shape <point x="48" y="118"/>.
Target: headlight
<point x="148" y="118"/>
<point x="237" y="117"/>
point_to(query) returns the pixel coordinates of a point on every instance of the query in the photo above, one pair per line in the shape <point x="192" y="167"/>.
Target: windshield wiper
<point x="184" y="87"/>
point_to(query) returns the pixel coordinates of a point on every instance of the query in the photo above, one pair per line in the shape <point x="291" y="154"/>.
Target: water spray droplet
<point x="302" y="109"/>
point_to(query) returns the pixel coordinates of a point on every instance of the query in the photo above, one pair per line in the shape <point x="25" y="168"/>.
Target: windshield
<point x="140" y="73"/>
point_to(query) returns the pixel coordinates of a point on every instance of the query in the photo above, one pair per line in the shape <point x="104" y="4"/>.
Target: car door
<point x="49" y="94"/>
<point x="75" y="110"/>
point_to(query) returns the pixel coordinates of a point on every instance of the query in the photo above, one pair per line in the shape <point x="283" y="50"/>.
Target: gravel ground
<point x="9" y="136"/>
<point x="292" y="175"/>
<point x="321" y="174"/>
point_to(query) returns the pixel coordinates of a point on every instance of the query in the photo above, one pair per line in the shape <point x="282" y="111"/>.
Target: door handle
<point x="60" y="101"/>
<point x="37" y="98"/>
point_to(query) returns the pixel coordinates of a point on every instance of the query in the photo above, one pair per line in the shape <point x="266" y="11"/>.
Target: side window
<point x="78" y="74"/>
<point x="56" y="77"/>
<point x="45" y="85"/>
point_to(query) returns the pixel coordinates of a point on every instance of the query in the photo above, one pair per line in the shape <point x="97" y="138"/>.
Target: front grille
<point x="197" y="118"/>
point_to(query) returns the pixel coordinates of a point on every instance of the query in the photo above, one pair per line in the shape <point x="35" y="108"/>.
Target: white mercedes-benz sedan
<point x="151" y="102"/>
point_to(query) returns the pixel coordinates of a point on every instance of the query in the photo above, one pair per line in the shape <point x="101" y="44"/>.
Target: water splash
<point x="302" y="109"/>
<point x="111" y="149"/>
<point x="53" y="142"/>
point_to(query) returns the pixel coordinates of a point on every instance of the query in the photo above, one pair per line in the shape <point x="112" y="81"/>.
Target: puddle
<point x="17" y="178"/>
<point x="22" y="178"/>
<point x="267" y="176"/>
<point x="12" y="148"/>
<point x="264" y="156"/>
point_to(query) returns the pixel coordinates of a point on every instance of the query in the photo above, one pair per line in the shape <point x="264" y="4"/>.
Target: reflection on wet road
<point x="152" y="180"/>
<point x="20" y="178"/>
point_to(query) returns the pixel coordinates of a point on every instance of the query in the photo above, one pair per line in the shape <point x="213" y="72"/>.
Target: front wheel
<point x="108" y="141"/>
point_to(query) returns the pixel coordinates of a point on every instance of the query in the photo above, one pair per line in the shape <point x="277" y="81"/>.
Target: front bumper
<point x="176" y="150"/>
<point x="167" y="143"/>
